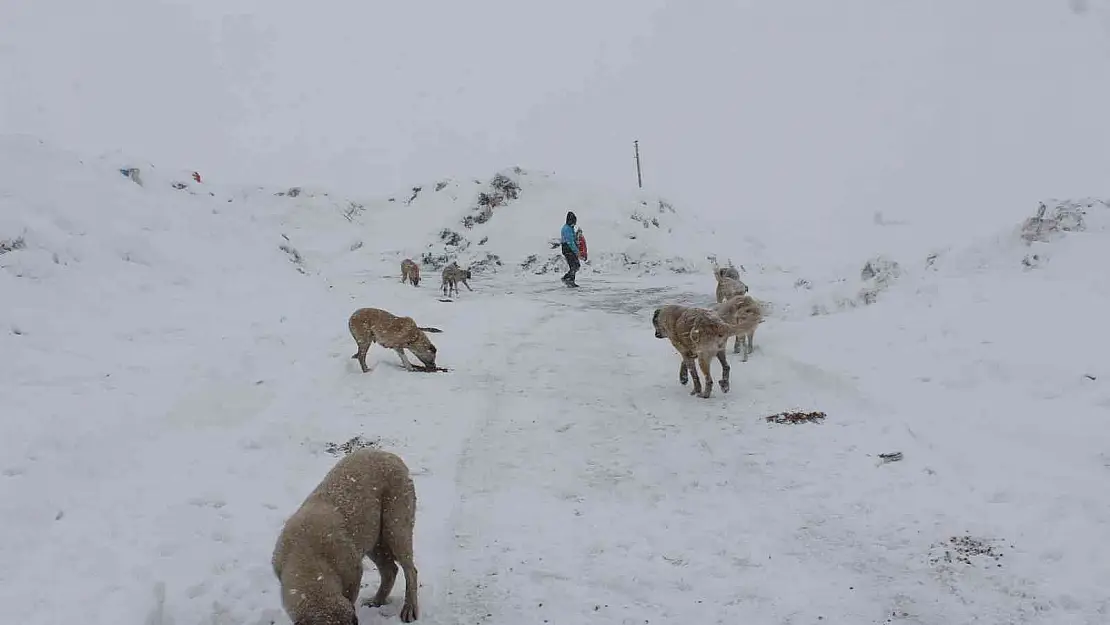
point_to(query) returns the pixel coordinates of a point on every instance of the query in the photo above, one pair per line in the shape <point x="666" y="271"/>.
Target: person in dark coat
<point x="569" y="245"/>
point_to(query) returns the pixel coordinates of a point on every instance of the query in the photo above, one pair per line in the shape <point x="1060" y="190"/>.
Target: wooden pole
<point x="639" y="176"/>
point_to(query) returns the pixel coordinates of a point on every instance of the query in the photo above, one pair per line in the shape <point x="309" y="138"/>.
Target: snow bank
<point x="132" y="325"/>
<point x="511" y="222"/>
<point x="507" y="223"/>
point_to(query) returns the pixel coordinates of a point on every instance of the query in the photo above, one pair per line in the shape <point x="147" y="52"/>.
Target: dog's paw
<point x="409" y="613"/>
<point x="724" y="384"/>
<point x="374" y="602"/>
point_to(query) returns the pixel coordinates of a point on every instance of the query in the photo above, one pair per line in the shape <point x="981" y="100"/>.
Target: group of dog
<point x="701" y="334"/>
<point x="374" y="325"/>
<point x="366" y="504"/>
<point x="452" y="276"/>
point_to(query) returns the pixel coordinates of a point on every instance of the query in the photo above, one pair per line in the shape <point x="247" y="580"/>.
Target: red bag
<point x="582" y="246"/>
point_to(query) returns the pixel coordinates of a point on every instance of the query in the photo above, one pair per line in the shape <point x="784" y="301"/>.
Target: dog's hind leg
<point x="703" y="363"/>
<point x="398" y="518"/>
<point x="467" y="285"/>
<point x="736" y="344"/>
<point x="725" y="370"/>
<point x="683" y="376"/>
<point x="383" y="558"/>
<point x="750" y="343"/>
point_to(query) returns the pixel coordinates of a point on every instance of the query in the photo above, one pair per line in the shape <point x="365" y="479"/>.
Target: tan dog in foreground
<point x="364" y="506"/>
<point x="696" y="333"/>
<point x="452" y="275"/>
<point x="374" y="325"/>
<point x="728" y="287"/>
<point x="744" y="312"/>
<point x="410" y="272"/>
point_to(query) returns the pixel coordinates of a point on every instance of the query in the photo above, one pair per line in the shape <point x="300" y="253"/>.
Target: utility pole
<point x="639" y="176"/>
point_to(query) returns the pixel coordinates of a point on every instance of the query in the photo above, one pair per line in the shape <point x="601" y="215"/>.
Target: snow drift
<point x="507" y="223"/>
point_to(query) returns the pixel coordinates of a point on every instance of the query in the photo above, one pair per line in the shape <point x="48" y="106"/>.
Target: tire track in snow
<point x="478" y="465"/>
<point x="576" y="497"/>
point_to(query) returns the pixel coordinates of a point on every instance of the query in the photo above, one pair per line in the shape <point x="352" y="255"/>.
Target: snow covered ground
<point x="172" y="385"/>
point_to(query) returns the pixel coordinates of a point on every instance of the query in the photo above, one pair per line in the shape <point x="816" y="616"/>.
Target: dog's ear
<point x="429" y="329"/>
<point x="655" y="316"/>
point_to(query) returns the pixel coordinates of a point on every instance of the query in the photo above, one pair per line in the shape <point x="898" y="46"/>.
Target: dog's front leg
<point x="467" y="285"/>
<point x="703" y="363"/>
<point x="725" y="369"/>
<point x="382" y="558"/>
<point x="405" y="359"/>
<point x="692" y="368"/>
<point x="683" y="376"/>
<point x="360" y="355"/>
<point x="737" y="343"/>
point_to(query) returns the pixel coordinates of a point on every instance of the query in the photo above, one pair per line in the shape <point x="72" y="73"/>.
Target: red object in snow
<point x="196" y="176"/>
<point x="582" y="246"/>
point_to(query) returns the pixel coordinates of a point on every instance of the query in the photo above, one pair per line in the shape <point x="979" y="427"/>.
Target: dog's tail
<point x="715" y="325"/>
<point x="429" y="329"/>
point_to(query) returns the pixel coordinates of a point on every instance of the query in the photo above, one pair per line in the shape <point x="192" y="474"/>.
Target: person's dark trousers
<point x="572" y="261"/>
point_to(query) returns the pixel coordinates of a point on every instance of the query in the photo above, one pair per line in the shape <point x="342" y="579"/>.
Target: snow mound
<point x="133" y="319"/>
<point x="512" y="220"/>
<point x="508" y="223"/>
<point x="1064" y="229"/>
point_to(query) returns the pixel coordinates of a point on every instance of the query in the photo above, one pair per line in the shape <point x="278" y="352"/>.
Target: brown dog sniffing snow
<point x="410" y="272"/>
<point x="374" y="325"/>
<point x="364" y="506"/>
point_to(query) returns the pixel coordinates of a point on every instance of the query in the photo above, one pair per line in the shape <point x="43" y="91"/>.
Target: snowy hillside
<point x="511" y="222"/>
<point x="506" y="223"/>
<point x="174" y="384"/>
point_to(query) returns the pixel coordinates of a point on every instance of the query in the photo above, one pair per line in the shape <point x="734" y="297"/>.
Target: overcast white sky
<point x="810" y="108"/>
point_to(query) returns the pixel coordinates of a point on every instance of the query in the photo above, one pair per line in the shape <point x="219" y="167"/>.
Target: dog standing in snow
<point x="728" y="272"/>
<point x="452" y="275"/>
<point x="696" y="334"/>
<point x="364" y="506"/>
<point x="745" y="313"/>
<point x="374" y="325"/>
<point x="728" y="287"/>
<point x="410" y="272"/>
